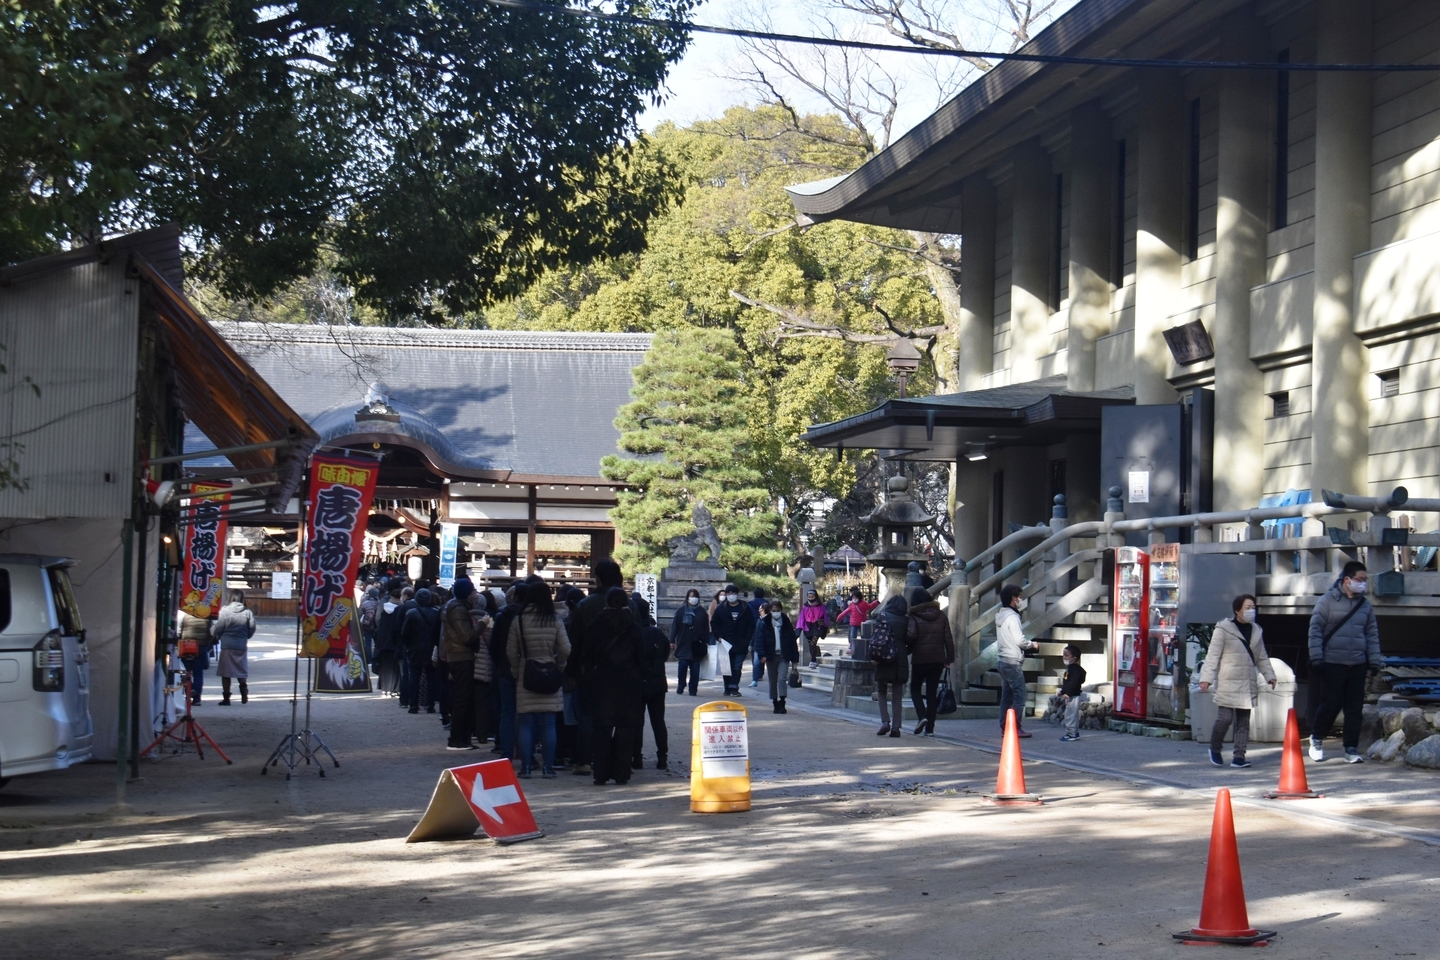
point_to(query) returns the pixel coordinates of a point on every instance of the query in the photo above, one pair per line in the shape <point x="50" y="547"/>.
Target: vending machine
<point x="1132" y="622"/>
<point x="1161" y="648"/>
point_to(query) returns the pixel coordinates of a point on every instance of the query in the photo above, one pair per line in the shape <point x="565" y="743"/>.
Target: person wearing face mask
<point x="1011" y="647"/>
<point x="778" y="643"/>
<point x="734" y="623"/>
<point x="1344" y="647"/>
<point x="690" y="635"/>
<point x="1236" y="651"/>
<point x="932" y="651"/>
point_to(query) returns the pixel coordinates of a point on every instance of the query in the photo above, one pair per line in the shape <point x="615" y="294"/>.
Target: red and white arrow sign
<point x="486" y="795"/>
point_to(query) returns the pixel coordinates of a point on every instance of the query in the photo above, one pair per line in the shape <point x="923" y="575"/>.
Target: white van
<point x="44" y="668"/>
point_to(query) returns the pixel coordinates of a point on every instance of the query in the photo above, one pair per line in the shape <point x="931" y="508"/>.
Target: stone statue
<point x="686" y="549"/>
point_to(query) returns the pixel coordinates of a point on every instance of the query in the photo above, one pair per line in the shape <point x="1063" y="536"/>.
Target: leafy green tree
<point x="686" y="427"/>
<point x="449" y="150"/>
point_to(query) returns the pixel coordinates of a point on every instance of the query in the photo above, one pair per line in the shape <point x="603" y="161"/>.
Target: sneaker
<point x="1317" y="752"/>
<point x="813" y="664"/>
<point x="1353" y="756"/>
<point x="1216" y="759"/>
<point x="524" y="773"/>
<point x="1067" y="738"/>
<point x="583" y="770"/>
<point x="928" y="733"/>
<point x="451" y="746"/>
<point x="754" y="683"/>
<point x="548" y="773"/>
<point x="1024" y="734"/>
<point x="1240" y="762"/>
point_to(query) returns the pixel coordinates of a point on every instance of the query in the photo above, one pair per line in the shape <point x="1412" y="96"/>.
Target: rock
<point x="1390" y="719"/>
<point x="1413" y="725"/>
<point x="1389" y="748"/>
<point x="1372" y="728"/>
<point x="1425" y="754"/>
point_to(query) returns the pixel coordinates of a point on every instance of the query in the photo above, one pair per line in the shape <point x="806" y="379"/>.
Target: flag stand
<point x="303" y="743"/>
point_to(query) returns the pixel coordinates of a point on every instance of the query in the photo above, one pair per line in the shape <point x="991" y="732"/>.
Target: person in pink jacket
<point x="813" y="623"/>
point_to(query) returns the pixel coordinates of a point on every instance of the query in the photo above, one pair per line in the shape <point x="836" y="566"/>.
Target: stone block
<point x="1387" y="749"/>
<point x="1413" y="725"/>
<point x="1425" y="754"/>
<point x="1389" y="719"/>
<point x="1372" y="728"/>
<point x="979" y="695"/>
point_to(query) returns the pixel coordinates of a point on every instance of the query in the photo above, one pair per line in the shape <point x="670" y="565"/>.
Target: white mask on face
<point x="776" y="617"/>
<point x="1022" y="606"/>
<point x="732" y="597"/>
<point x="693" y="601"/>
<point x="1247" y="615"/>
<point x="1357" y="587"/>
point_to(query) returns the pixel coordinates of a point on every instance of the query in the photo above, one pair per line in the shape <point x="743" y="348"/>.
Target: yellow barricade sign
<point x="719" y="758"/>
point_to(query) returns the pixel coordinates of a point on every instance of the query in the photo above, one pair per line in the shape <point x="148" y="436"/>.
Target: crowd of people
<point x="550" y="680"/>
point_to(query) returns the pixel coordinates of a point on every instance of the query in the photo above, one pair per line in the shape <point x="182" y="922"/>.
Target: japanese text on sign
<point x="724" y="745"/>
<point x="205" y="550"/>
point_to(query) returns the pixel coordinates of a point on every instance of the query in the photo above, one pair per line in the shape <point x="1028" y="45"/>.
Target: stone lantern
<point x="898" y="520"/>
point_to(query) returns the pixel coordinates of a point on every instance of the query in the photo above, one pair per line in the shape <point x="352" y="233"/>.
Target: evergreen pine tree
<point x="688" y="431"/>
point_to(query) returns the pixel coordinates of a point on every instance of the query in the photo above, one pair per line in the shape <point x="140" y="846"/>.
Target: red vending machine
<point x="1132" y="631"/>
<point x="1163" y="587"/>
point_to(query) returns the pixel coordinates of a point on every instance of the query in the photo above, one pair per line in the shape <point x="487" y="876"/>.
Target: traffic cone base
<point x="1223" y="916"/>
<point x="1293" y="785"/>
<point x="1010" y="782"/>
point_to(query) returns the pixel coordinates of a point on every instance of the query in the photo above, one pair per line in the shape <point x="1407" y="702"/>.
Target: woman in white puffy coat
<point x="1236" y="653"/>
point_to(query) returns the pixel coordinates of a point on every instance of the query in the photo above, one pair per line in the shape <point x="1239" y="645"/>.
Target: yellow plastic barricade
<point x="719" y="758"/>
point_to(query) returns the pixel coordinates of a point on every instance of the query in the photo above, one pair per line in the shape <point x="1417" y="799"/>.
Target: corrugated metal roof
<point x="79" y="428"/>
<point x="538" y="404"/>
<point x="159" y="246"/>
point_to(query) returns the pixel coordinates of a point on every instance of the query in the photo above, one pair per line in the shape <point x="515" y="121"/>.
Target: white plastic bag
<point x="724" y="646"/>
<point x="711" y="664"/>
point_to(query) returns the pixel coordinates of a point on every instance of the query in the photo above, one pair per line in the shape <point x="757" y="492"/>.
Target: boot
<point x="782" y="706"/>
<point x="660" y="763"/>
<point x="244" y="692"/>
<point x="224" y="691"/>
<point x="777" y="706"/>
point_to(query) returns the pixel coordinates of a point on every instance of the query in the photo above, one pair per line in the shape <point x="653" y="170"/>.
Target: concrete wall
<point x="96" y="576"/>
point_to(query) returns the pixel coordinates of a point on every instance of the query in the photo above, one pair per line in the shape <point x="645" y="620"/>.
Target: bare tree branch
<point x="794" y="325"/>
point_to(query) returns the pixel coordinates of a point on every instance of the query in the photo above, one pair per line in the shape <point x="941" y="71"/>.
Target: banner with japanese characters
<point x="205" y="549"/>
<point x="341" y="488"/>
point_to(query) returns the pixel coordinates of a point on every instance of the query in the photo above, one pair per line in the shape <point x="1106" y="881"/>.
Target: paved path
<point x="857" y="847"/>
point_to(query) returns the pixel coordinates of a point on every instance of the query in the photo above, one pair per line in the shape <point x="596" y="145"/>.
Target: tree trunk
<point x="946" y="284"/>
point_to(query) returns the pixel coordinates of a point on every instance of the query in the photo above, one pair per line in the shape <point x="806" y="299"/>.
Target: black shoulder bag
<point x="1325" y="640"/>
<point x="541" y="676"/>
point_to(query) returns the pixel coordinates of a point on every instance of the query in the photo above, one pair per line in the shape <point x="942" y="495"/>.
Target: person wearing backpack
<point x="1236" y="652"/>
<point x="1344" y="649"/>
<point x="892" y="666"/>
<point x="537" y="648"/>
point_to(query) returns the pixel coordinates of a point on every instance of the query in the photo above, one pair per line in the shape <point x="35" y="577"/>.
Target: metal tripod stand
<point x="302" y="744"/>
<point x="194" y="733"/>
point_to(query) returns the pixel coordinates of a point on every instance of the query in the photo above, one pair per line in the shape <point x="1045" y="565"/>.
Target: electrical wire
<point x="538" y="6"/>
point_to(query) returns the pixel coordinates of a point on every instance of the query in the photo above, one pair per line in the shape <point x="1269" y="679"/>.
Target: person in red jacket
<point x="855" y="614"/>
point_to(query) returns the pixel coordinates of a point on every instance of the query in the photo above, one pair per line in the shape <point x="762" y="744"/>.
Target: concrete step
<point x="979" y="695"/>
<point x="1092" y="618"/>
<point x="1064" y="634"/>
<point x="1032" y="664"/>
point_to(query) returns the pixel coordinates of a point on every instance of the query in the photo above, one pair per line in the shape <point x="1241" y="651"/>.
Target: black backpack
<point x="883" y="647"/>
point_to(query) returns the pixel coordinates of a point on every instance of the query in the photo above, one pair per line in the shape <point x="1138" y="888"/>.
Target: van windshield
<point x="65" y="606"/>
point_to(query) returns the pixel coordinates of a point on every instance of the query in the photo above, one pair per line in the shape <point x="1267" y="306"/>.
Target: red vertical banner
<point x="205" y="549"/>
<point x="341" y="489"/>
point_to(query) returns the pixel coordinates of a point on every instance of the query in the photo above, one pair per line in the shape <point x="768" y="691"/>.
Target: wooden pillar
<point x="514" y="553"/>
<point x="530" y="533"/>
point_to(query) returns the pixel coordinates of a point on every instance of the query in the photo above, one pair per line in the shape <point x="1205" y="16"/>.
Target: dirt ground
<point x="856" y="847"/>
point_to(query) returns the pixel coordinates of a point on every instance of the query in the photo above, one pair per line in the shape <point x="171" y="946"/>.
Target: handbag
<point x="188" y="647"/>
<point x="541" y="676"/>
<point x="794" y="678"/>
<point x="945" y="696"/>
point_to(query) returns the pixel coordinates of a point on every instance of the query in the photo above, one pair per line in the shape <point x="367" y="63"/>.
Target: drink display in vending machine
<point x="1132" y="623"/>
<point x="1160" y="644"/>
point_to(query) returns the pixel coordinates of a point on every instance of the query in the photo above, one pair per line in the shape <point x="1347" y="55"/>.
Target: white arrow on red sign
<point x="484" y="795"/>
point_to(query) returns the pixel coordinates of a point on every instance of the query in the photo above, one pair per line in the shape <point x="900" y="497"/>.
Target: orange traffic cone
<point x="1010" y="784"/>
<point x="1293" y="785"/>
<point x="1223" y="917"/>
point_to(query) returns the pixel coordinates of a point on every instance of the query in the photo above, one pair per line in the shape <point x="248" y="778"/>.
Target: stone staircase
<point x="1087" y="628"/>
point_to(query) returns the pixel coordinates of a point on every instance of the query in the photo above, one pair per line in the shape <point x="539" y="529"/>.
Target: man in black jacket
<point x="655" y="651"/>
<point x="607" y="575"/>
<point x="734" y="622"/>
<point x="419" y="634"/>
<point x="504" y="673"/>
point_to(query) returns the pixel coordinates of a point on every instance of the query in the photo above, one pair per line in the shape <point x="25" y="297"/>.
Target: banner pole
<point x="286" y="750"/>
<point x="122" y="737"/>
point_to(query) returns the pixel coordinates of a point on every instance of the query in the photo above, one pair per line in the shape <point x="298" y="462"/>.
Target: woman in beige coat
<point x="537" y="634"/>
<point x="1237" y="651"/>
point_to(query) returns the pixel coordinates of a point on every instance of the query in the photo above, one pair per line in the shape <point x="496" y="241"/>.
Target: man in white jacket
<point x="1011" y="647"/>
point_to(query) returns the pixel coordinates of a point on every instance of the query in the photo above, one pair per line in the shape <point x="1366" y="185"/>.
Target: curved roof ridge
<point x="427" y="337"/>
